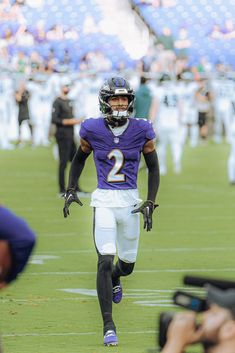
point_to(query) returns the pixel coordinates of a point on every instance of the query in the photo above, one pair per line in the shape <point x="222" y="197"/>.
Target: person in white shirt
<point x="165" y="113"/>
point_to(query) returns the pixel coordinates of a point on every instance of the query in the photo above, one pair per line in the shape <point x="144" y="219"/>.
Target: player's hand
<point x="147" y="209"/>
<point x="69" y="197"/>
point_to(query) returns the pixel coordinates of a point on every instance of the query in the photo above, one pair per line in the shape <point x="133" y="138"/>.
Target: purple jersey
<point x="19" y="236"/>
<point x="117" y="157"/>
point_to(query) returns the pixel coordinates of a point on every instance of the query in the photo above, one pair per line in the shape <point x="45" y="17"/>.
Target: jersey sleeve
<point x="84" y="132"/>
<point x="147" y="128"/>
<point x="150" y="133"/>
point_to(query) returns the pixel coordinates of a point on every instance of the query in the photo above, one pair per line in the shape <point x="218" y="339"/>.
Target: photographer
<point x="214" y="328"/>
<point x="216" y="331"/>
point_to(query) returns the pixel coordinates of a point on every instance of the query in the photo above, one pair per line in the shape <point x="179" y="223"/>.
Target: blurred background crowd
<point x="177" y="55"/>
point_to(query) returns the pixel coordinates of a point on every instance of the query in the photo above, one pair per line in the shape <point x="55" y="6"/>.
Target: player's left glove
<point x="147" y="209"/>
<point x="69" y="197"/>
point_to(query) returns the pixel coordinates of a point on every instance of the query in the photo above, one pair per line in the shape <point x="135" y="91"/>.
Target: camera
<point x="185" y="300"/>
<point x="194" y="303"/>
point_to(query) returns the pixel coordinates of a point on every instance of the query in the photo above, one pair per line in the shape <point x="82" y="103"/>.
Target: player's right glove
<point x="147" y="209"/>
<point x="69" y="197"/>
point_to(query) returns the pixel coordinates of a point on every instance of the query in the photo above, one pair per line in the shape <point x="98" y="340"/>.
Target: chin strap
<point x="113" y="122"/>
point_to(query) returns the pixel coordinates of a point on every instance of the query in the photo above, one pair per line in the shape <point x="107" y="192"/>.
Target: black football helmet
<point x="116" y="86"/>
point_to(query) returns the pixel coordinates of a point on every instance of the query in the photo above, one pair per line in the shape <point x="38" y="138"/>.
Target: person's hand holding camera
<point x="182" y="332"/>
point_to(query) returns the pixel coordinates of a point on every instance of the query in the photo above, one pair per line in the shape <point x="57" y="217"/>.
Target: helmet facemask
<point x="113" y="88"/>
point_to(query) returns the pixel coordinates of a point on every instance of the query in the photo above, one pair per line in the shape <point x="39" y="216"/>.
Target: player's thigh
<point x="128" y="232"/>
<point x="105" y="230"/>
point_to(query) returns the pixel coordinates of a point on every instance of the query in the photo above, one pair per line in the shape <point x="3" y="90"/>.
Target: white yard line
<point x="80" y="273"/>
<point x="150" y="332"/>
<point x="168" y="250"/>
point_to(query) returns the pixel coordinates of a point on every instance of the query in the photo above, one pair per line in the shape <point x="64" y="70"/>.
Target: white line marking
<point x="79" y="273"/>
<point x="206" y="232"/>
<point x="74" y="334"/>
<point x="89" y="251"/>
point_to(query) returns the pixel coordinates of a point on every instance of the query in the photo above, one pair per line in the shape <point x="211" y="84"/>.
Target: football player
<point x="117" y="141"/>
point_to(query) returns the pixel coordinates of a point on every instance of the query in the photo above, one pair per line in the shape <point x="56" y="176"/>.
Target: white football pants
<point x="117" y="230"/>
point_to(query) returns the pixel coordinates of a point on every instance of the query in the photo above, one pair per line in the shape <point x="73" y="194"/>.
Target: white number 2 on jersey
<point x="114" y="175"/>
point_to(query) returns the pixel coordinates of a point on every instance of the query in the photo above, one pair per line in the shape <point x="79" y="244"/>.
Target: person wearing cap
<point x="214" y="328"/>
<point x="64" y="120"/>
<point x="17" y="241"/>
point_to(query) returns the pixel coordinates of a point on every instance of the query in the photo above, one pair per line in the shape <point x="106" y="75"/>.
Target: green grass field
<point x="193" y="233"/>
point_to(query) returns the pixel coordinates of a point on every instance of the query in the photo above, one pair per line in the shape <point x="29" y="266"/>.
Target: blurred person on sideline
<point x="63" y="118"/>
<point x="189" y="118"/>
<point x="17" y="241"/>
<point x="6" y="95"/>
<point x="203" y="104"/>
<point x="166" y="113"/>
<point x="213" y="328"/>
<point x="117" y="141"/>
<point x="143" y="99"/>
<point x="22" y="97"/>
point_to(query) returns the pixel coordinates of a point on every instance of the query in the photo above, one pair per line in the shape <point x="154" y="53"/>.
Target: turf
<point x="193" y="233"/>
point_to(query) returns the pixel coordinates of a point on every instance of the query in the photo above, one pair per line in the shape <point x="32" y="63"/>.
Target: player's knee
<point x="126" y="267"/>
<point x="105" y="263"/>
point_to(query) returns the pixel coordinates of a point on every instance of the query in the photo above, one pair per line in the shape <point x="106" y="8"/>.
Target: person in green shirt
<point x="143" y="99"/>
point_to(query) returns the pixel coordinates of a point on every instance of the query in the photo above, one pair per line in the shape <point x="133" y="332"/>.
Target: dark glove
<point x="147" y="209"/>
<point x="70" y="196"/>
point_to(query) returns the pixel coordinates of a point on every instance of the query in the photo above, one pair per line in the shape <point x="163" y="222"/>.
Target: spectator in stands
<point x="182" y="43"/>
<point x="167" y="55"/>
<point x="216" y="32"/>
<point x="11" y="12"/>
<point x="71" y="33"/>
<point x="4" y="56"/>
<point x="35" y="61"/>
<point x="55" y="33"/>
<point x="20" y="63"/>
<point x="39" y="32"/>
<point x="23" y="38"/>
<point x="229" y="30"/>
<point x="8" y="36"/>
<point x="143" y="99"/>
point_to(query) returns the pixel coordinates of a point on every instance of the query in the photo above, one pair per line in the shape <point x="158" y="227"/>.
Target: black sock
<point x="121" y="268"/>
<point x="105" y="290"/>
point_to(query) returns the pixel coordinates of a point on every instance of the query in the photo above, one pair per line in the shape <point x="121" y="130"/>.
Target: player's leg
<point x="176" y="150"/>
<point x="162" y="142"/>
<point x="105" y="242"/>
<point x="128" y="231"/>
<point x="64" y="150"/>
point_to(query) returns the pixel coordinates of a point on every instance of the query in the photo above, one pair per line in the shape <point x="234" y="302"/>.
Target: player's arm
<point x="76" y="169"/>
<point x="151" y="160"/>
<point x="149" y="206"/>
